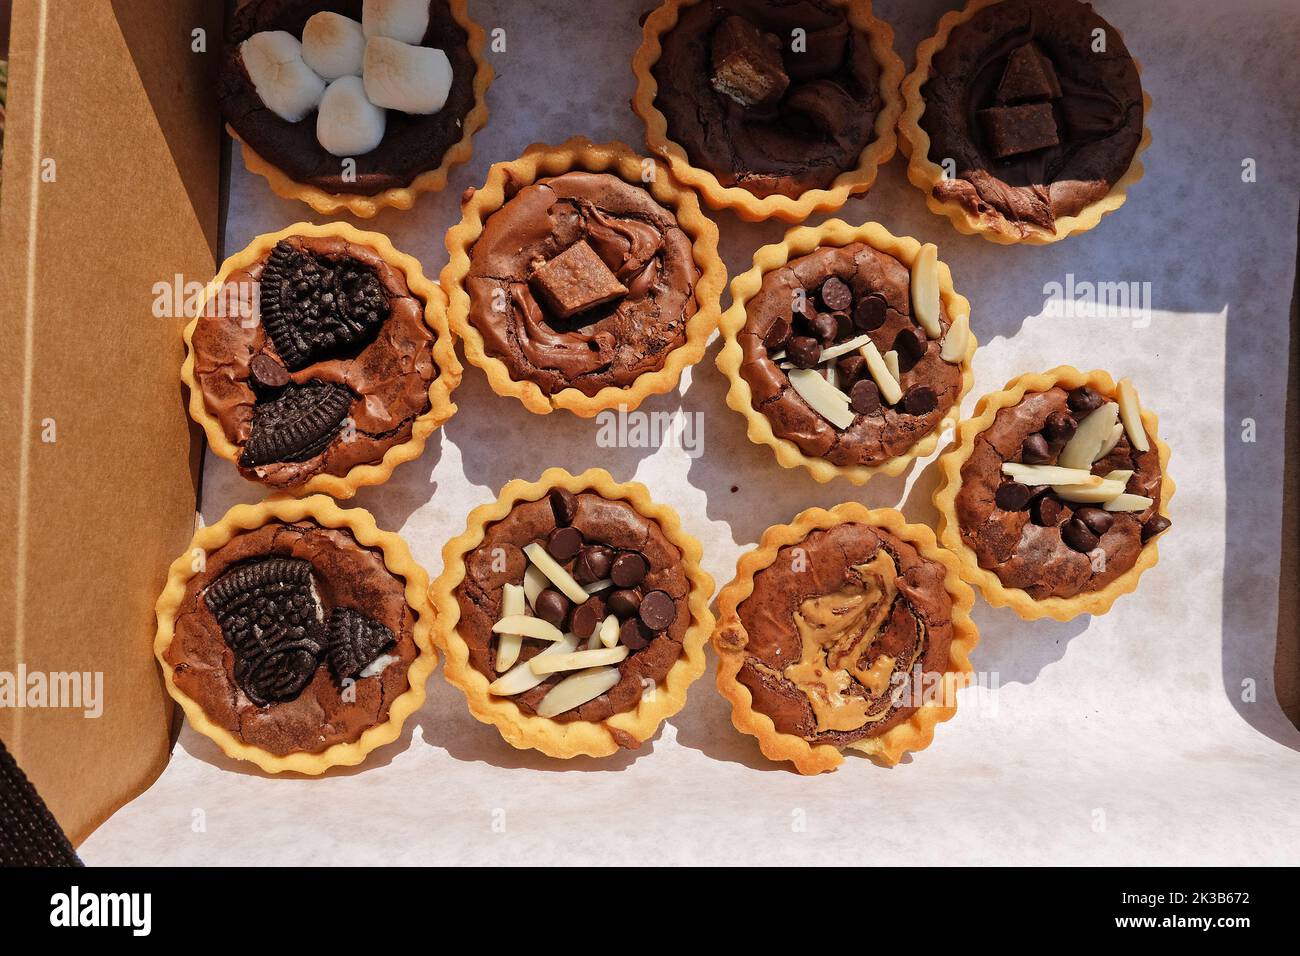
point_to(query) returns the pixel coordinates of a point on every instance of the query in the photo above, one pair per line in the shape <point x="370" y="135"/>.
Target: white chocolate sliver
<point x="891" y="363"/>
<point x="890" y="390"/>
<point x="577" y="689"/>
<point x="956" y="339"/>
<point x="535" y="583"/>
<point x="1049" y="474"/>
<point x="577" y="660"/>
<point x="844" y="348"/>
<point x="521" y="677"/>
<point x="526" y="625"/>
<point x="608" y="631"/>
<point x="399" y="76"/>
<point x="595" y="587"/>
<point x="1090" y="494"/>
<point x="512" y="605"/>
<point x="1130" y="413"/>
<point x="925" y="290"/>
<point x="1127" y="502"/>
<point x="561" y="578"/>
<point x="1081" y="450"/>
<point x="283" y="80"/>
<point x="826" y="400"/>
<point x="333" y="45"/>
<point x="348" y="124"/>
<point x="1109" y="444"/>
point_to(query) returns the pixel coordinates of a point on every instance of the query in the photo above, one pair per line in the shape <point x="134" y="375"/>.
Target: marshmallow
<point x="286" y="84"/>
<point x="413" y="79"/>
<point x="348" y="124"/>
<point x="333" y="45"/>
<point x="405" y="20"/>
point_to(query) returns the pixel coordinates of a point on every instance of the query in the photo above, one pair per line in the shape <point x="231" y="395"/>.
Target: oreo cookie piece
<point x="279" y="674"/>
<point x="314" y="307"/>
<point x="297" y="425"/>
<point x="353" y="642"/>
<point x="263" y="604"/>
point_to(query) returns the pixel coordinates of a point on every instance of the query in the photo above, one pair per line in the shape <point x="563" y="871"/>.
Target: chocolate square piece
<point x="1012" y="130"/>
<point x="1028" y="75"/>
<point x="575" y="280"/>
<point x="747" y="63"/>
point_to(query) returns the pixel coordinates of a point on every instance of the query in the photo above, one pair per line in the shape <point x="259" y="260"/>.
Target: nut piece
<point x="283" y="80"/>
<point x="890" y="390"/>
<point x="747" y="63"/>
<point x="1050" y="475"/>
<point x="1127" y="502"/>
<point x="608" y="632"/>
<point x="512" y="605"/>
<point x="891" y="363"/>
<point x="956" y="339"/>
<point x="1130" y="413"/>
<point x="824" y="398"/>
<point x="557" y="575"/>
<point x="348" y="124"/>
<point x="405" y="20"/>
<point x="399" y="76"/>
<point x="333" y="45"/>
<point x="574" y="281"/>
<point x="576" y="690"/>
<point x="521" y="677"/>
<point x="1089" y="493"/>
<point x="577" y="660"/>
<point x="528" y="626"/>
<point x="1109" y="444"/>
<point x="925" y="290"/>
<point x="1081" y="450"/>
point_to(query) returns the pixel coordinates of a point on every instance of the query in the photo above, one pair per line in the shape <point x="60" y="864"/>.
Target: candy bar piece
<point x="1028" y="75"/>
<point x="1012" y="130"/>
<point x="747" y="63"/>
<point x="576" y="280"/>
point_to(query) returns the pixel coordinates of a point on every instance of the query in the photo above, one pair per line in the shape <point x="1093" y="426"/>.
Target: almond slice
<point x="534" y="583"/>
<point x="891" y="363"/>
<point x="1049" y="474"/>
<point x="1089" y="493"/>
<point x="844" y="348"/>
<point x="888" y="385"/>
<point x="1130" y="413"/>
<point x="525" y="625"/>
<point x="956" y="340"/>
<point x="608" y="631"/>
<point x="577" y="689"/>
<point x="521" y="677"/>
<point x="512" y="605"/>
<point x="561" y="578"/>
<point x="826" y="400"/>
<point x="1127" y="502"/>
<point x="925" y="289"/>
<point x="1109" y="444"/>
<point x="577" y="660"/>
<point x="595" y="587"/>
<point x="1081" y="450"/>
<point x="1121" y="475"/>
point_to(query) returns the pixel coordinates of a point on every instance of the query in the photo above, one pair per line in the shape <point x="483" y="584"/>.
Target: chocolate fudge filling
<point x="1039" y="119"/>
<point x="581" y="280"/>
<point x="294" y="638"/>
<point x="595" y="540"/>
<point x="411" y="144"/>
<point x="839" y="628"/>
<point x="762" y="105"/>
<point x="813" y="304"/>
<point x="313" y="360"/>
<point x="1030" y="536"/>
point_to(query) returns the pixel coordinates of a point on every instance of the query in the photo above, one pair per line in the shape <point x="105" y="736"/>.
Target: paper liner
<point x="945" y="501"/>
<point x="399" y="197"/>
<point x="528" y="731"/>
<point x="538" y="161"/>
<point x="924" y="174"/>
<point x="797" y="242"/>
<point x="397" y="559"/>
<point x="741" y="201"/>
<point x="730" y="639"/>
<point x="440" y="408"/>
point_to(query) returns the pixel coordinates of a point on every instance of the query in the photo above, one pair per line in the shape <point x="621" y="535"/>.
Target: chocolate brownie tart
<point x="295" y="634"/>
<point x="1055" y="493"/>
<point x="321" y="360"/>
<point x="582" y="278"/>
<point x="1024" y="119"/>
<point x="847" y="349"/>
<point x="847" y="629"/>
<point x="769" y="107"/>
<point x="354" y="104"/>
<point x="573" y="613"/>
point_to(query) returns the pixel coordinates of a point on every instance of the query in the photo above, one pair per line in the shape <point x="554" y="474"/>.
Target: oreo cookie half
<point x="297" y="425"/>
<point x="353" y="642"/>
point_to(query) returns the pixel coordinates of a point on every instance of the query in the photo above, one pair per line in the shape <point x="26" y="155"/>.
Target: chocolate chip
<point x="1060" y="427"/>
<point x="564" y="543"/>
<point x="777" y="334"/>
<point x="919" y="400"/>
<point x="587" y="617"/>
<point x="657" y="610"/>
<point x="843" y="326"/>
<point x="910" y="344"/>
<point x="624" y="602"/>
<point x="1048" y="511"/>
<point x="564" y="504"/>
<point x="852" y="368"/>
<point x="825" y="327"/>
<point x="552" y="606"/>
<point x="634" y="635"/>
<point x="1078" y="536"/>
<point x="870" y="313"/>
<point x="836" y="295"/>
<point x="1035" y="450"/>
<point x="1097" y="520"/>
<point x="593" y="564"/>
<point x="1012" y="496"/>
<point x="1156" y="524"/>
<point x="267" y="371"/>
<point x="804" y="352"/>
<point x="1084" y="399"/>
<point x="629" y="569"/>
<point x="864" y="397"/>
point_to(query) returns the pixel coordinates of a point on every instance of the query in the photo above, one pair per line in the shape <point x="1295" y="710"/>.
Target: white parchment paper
<point x="1149" y="735"/>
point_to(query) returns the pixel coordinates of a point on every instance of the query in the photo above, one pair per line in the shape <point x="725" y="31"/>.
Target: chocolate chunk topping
<point x="835" y="295"/>
<point x="1078" y="536"/>
<point x="1035" y="450"/>
<point x="552" y="607"/>
<point x="314" y="308"/>
<point x="297" y="425"/>
<point x="267" y="372"/>
<point x="910" y="344"/>
<point x="825" y="326"/>
<point x="804" y="352"/>
<point x="354" y="641"/>
<point x="625" y="603"/>
<point x="919" y="400"/>
<point x="747" y="63"/>
<point x="1084" y="399"/>
<point x="564" y="543"/>
<point x="852" y="367"/>
<point x="869" y="314"/>
<point x="576" y="280"/>
<point x="1012" y="496"/>
<point x="564" y="504"/>
<point x="1049" y="511"/>
<point x="1156" y="524"/>
<point x="593" y="564"/>
<point x="634" y="635"/>
<point x="587" y="616"/>
<point x="864" y="397"/>
<point x="1098" y="520"/>
<point x="777" y="335"/>
<point x="657" y="610"/>
<point x="1012" y="130"/>
<point x="1059" y="428"/>
<point x="1028" y="75"/>
<point x="629" y="569"/>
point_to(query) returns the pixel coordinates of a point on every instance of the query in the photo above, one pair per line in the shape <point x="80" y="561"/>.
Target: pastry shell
<point x="925" y="174"/>
<point x="397" y="559"/>
<point x="730" y="640"/>
<point x="576" y="738"/>
<point x="397" y="197"/>
<point x="741" y="201"/>
<point x="440" y="408"/>
<point x="801" y="241"/>
<point x="949" y="528"/>
<point x="537" y="162"/>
